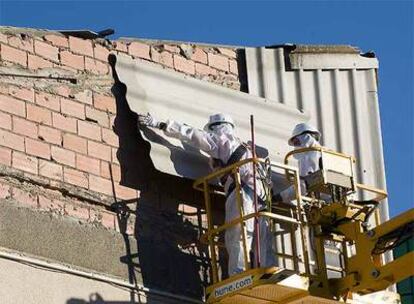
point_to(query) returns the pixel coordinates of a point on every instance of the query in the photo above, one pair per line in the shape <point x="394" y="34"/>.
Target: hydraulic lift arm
<point x="365" y="271"/>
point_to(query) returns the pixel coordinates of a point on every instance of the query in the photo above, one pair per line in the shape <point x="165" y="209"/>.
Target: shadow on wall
<point x="96" y="298"/>
<point x="169" y="256"/>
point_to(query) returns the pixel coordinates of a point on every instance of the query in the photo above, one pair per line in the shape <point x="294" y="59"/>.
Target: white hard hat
<point x="304" y="128"/>
<point x="218" y="119"/>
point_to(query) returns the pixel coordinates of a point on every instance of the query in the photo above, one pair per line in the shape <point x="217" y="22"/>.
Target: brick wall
<point x="60" y="132"/>
<point x="59" y="152"/>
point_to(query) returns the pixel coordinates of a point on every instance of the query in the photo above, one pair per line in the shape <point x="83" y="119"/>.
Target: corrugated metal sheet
<point x="167" y="94"/>
<point x="337" y="86"/>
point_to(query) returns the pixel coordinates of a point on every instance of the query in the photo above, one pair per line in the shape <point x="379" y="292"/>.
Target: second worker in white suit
<point x="220" y="143"/>
<point x="303" y="136"/>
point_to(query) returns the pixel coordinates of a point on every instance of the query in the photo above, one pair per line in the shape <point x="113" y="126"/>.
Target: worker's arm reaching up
<point x="196" y="138"/>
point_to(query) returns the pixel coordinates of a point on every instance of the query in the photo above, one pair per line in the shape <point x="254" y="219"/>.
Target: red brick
<point x="112" y="120"/>
<point x="46" y="50"/>
<point x="11" y="140"/>
<point x="13" y="55"/>
<point x="99" y="150"/>
<point x="24" y="162"/>
<point x="38" y="114"/>
<point x="100" y="185"/>
<point x="120" y="46"/>
<point x="105" y="103"/>
<point x="63" y="156"/>
<point x="24" y="197"/>
<point x="233" y="67"/>
<point x="139" y="49"/>
<point x="106" y="173"/>
<point x="50" y="135"/>
<point x="57" y="40"/>
<point x="37" y="148"/>
<point x="107" y="220"/>
<point x="84" y="97"/>
<point x="199" y="55"/>
<point x="62" y="90"/>
<point x="227" y="52"/>
<point x="99" y="116"/>
<point x="202" y="69"/>
<point x="95" y="66"/>
<point x="125" y="193"/>
<point x="77" y="211"/>
<point x="12" y="105"/>
<point x="72" y="108"/>
<point x="75" y="177"/>
<point x="5" y="121"/>
<point x="51" y="204"/>
<point x="109" y="137"/>
<point x="51" y="170"/>
<point x="89" y="130"/>
<point x="22" y="93"/>
<point x="64" y="123"/>
<point x="24" y="127"/>
<point x="4" y="191"/>
<point x="130" y="230"/>
<point x="115" y="156"/>
<point x="183" y="65"/>
<point x="219" y="62"/>
<point x="81" y="46"/>
<point x="165" y="59"/>
<point x="75" y="143"/>
<point x="88" y="164"/>
<point x="25" y="44"/>
<point x="100" y="52"/>
<point x="72" y="60"/>
<point x="3" y="38"/>
<point x="171" y="48"/>
<point x="5" y="156"/>
<point x="36" y="62"/>
<point x="48" y="100"/>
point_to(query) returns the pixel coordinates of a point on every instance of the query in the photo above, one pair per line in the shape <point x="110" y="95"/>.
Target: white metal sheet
<point x="169" y="95"/>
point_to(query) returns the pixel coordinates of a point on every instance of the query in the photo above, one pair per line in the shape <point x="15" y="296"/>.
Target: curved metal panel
<point x="170" y="95"/>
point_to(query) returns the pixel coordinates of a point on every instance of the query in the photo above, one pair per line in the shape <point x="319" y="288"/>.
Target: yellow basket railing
<point x="205" y="184"/>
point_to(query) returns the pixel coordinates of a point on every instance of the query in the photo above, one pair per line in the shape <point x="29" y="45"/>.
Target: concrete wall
<point x="24" y="283"/>
<point x="76" y="183"/>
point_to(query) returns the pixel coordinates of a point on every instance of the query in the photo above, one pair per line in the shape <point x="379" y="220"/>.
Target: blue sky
<point x="386" y="27"/>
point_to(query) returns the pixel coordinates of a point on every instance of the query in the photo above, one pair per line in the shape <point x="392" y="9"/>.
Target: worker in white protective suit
<point x="220" y="143"/>
<point x="303" y="136"/>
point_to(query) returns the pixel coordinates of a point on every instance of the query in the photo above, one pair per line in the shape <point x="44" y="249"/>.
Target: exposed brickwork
<point x="140" y="50"/>
<point x="5" y="156"/>
<point x="72" y="60"/>
<point x="46" y="50"/>
<point x="81" y="46"/>
<point x="12" y="105"/>
<point x="35" y="62"/>
<point x="61" y="133"/>
<point x="13" y="55"/>
<point x="57" y="40"/>
<point x="63" y="156"/>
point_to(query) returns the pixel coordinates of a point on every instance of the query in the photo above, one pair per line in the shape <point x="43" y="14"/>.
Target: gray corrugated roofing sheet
<point x="337" y="86"/>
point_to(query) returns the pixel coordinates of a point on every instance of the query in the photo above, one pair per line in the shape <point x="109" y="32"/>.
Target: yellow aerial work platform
<point x="342" y="221"/>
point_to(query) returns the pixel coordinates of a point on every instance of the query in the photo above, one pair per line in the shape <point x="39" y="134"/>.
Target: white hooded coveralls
<point x="308" y="162"/>
<point x="220" y="144"/>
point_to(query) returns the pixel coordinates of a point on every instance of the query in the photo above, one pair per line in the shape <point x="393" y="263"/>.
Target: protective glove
<point x="149" y="121"/>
